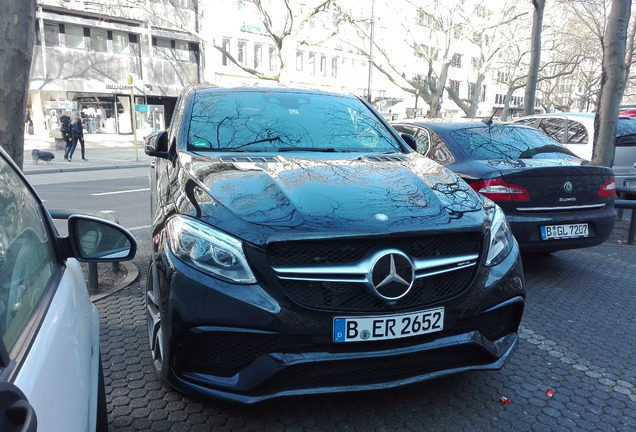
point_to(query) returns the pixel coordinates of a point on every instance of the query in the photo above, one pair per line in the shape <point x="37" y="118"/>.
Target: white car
<point x="576" y="132"/>
<point x="50" y="369"/>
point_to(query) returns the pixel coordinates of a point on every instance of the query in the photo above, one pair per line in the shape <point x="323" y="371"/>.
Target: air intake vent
<point x="252" y="159"/>
<point x="387" y="158"/>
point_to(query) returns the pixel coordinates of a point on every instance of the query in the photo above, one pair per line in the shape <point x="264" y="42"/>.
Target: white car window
<point x="27" y="256"/>
<point x="576" y="133"/>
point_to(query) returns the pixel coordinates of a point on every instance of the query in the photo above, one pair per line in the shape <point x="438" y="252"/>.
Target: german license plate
<point x="630" y="183"/>
<point x="554" y="232"/>
<point x="356" y="329"/>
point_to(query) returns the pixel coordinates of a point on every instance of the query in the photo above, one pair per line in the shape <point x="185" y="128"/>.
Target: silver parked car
<point x="576" y="132"/>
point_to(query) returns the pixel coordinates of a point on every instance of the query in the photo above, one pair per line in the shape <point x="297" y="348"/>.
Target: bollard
<point x="92" y="278"/>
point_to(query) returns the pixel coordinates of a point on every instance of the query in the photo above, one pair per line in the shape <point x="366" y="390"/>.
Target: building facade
<point x="97" y="55"/>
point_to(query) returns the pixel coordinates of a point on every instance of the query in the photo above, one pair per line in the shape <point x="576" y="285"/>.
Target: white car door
<point x="50" y="367"/>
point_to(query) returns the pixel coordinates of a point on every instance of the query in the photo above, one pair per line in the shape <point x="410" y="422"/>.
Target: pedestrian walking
<point x="77" y="134"/>
<point x="65" y="130"/>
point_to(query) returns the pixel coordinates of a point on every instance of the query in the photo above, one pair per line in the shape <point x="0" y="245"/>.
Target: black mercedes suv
<point x="301" y="246"/>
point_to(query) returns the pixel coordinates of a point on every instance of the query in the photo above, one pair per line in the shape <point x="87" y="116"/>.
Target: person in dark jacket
<point x="65" y="130"/>
<point x="77" y="134"/>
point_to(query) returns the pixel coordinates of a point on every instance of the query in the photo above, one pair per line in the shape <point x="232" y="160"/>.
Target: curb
<point x="133" y="274"/>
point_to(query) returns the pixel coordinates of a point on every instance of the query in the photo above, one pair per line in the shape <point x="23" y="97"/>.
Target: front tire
<point x="155" y="326"/>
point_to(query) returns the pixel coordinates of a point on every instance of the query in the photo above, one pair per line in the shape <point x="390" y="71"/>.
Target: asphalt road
<point x="574" y="369"/>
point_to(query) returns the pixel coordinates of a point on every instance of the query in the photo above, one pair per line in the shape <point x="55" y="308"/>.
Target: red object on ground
<point x="549" y="392"/>
<point x="504" y="400"/>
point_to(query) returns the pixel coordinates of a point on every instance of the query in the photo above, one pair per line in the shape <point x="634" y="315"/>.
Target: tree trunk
<point x="612" y="82"/>
<point x="535" y="57"/>
<point x="17" y="27"/>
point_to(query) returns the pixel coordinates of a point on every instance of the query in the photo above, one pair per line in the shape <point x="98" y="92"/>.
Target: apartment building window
<point x="475" y="62"/>
<point x="299" y="61"/>
<point x="503" y="77"/>
<point x="120" y="43"/>
<point x="225" y="44"/>
<point x="52" y="35"/>
<point x="499" y="98"/>
<point x="457" y="31"/>
<point x="258" y="56"/>
<point x="242" y="51"/>
<point x="334" y="67"/>
<point x="74" y="37"/>
<point x="454" y="84"/>
<point x="476" y="37"/>
<point x="312" y="63"/>
<point x="471" y="90"/>
<point x="273" y="59"/>
<point x="99" y="38"/>
<point x="425" y="19"/>
<point x="456" y="61"/>
<point x="323" y="65"/>
<point x="482" y="96"/>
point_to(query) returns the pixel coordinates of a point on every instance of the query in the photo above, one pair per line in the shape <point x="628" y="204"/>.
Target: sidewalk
<point x="103" y="151"/>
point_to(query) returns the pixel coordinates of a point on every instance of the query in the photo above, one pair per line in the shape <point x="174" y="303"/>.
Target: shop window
<point x="99" y="39"/>
<point x="299" y="61"/>
<point x="225" y="44"/>
<point x="312" y="63"/>
<point x="52" y="35"/>
<point x="258" y="56"/>
<point x="74" y="37"/>
<point x="120" y="43"/>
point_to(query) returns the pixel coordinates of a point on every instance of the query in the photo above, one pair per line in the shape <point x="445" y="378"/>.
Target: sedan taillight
<point x="608" y="188"/>
<point x="499" y="190"/>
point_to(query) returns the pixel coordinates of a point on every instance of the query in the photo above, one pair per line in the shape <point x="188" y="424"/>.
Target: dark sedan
<point x="301" y="247"/>
<point x="552" y="199"/>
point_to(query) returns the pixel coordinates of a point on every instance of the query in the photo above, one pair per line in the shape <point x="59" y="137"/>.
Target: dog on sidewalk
<point x="39" y="155"/>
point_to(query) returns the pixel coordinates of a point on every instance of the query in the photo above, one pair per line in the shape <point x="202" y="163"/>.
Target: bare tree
<point x="17" y="24"/>
<point x="434" y="31"/>
<point x="535" y="57"/>
<point x="285" y="23"/>
<point x="612" y="82"/>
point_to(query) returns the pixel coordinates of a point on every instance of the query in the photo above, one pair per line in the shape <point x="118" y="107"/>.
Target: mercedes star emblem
<point x="392" y="275"/>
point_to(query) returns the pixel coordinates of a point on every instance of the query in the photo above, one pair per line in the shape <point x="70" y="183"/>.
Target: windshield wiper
<point x="262" y="141"/>
<point x="311" y="149"/>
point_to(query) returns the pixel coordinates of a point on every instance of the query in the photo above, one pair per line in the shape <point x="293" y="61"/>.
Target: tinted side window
<point x="576" y="133"/>
<point x="554" y="127"/>
<point x="420" y="135"/>
<point x="27" y="255"/>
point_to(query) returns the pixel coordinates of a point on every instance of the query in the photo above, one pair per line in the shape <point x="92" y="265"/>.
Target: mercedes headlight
<point x="501" y="238"/>
<point x="208" y="250"/>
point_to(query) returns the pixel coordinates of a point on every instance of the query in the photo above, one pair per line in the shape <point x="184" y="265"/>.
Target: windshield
<point x="285" y="121"/>
<point x="508" y="142"/>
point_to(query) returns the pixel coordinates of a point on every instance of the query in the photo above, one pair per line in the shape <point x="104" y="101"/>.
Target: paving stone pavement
<point x="578" y="340"/>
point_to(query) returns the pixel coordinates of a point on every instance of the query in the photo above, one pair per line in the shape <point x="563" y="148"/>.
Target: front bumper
<point x="249" y="343"/>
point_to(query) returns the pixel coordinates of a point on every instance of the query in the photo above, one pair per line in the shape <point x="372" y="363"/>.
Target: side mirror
<point x="409" y="140"/>
<point x="156" y="144"/>
<point x="97" y="240"/>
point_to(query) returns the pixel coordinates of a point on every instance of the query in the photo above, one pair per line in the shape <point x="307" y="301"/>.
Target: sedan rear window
<point x="285" y="121"/>
<point x="508" y="142"/>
